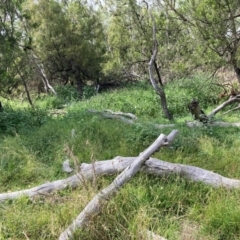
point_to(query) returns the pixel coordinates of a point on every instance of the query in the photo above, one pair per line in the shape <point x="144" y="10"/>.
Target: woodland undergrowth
<point x="34" y="144"/>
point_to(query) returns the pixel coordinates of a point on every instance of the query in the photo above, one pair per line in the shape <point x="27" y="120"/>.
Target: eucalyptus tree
<point x="130" y="43"/>
<point x="128" y="34"/>
<point x="213" y="31"/>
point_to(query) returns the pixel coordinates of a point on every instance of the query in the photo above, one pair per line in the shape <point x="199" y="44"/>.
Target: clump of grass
<point x="182" y="91"/>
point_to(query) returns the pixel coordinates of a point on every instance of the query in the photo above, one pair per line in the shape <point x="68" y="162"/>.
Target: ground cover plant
<point x="34" y="144"/>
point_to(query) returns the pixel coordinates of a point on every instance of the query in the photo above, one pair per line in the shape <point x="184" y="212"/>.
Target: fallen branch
<point x="214" y="124"/>
<point x="95" y="205"/>
<point x="107" y="167"/>
<point x="119" y="115"/>
<point x="233" y="109"/>
<point x="108" y="111"/>
<point x="223" y="105"/>
<point x="113" y="115"/>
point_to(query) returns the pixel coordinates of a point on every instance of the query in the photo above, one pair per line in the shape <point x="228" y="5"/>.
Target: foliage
<point x="20" y="121"/>
<point x="68" y="39"/>
<point x="212" y="32"/>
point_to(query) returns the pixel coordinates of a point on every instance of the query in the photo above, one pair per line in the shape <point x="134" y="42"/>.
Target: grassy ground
<point x="33" y="146"/>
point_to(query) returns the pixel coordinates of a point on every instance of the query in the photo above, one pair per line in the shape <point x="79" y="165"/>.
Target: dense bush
<point x="22" y="120"/>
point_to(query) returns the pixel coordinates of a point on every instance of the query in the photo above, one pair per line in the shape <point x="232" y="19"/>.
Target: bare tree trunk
<point x="42" y="73"/>
<point x="26" y="90"/>
<point x="157" y="88"/>
<point x="79" y="80"/>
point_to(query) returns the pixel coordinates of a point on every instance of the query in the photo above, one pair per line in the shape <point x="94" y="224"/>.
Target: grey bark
<point x="42" y="73"/>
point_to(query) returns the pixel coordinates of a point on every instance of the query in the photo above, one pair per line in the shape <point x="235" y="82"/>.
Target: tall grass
<point x="34" y="144"/>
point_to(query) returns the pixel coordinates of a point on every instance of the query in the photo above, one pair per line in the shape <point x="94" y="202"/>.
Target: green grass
<point x="33" y="146"/>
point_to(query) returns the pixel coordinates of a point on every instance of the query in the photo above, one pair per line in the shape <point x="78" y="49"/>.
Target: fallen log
<point x="122" y="117"/>
<point x="223" y="105"/>
<point x="95" y="205"/>
<point x="112" y="115"/>
<point x="213" y="124"/>
<point x="152" y="166"/>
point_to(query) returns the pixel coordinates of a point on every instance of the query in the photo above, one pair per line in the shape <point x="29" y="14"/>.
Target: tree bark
<point x="158" y="89"/>
<point x="158" y="73"/>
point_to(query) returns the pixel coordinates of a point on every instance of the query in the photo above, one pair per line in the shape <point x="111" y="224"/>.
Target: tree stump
<point x="197" y="112"/>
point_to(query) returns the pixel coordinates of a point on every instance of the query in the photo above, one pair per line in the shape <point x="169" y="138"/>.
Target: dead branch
<point x="108" y="167"/>
<point x="130" y="115"/>
<point x="212" y="124"/>
<point x="233" y="109"/>
<point x="119" y="115"/>
<point x="95" y="205"/>
<point x="223" y="105"/>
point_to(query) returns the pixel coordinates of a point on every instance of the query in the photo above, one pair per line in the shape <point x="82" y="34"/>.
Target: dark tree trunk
<point x="237" y="71"/>
<point x="158" y="74"/>
<point x="79" y="81"/>
<point x="26" y="89"/>
<point x="1" y="107"/>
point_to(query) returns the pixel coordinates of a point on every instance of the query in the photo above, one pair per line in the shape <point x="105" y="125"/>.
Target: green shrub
<point x="67" y="93"/>
<point x="21" y="120"/>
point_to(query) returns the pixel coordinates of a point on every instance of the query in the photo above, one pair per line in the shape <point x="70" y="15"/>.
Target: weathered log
<point x="120" y="116"/>
<point x="213" y="124"/>
<point x="107" y="167"/>
<point x="115" y="115"/>
<point x="110" y="112"/>
<point x="95" y="205"/>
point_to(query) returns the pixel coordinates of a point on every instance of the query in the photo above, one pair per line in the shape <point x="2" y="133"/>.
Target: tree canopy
<point x="78" y="43"/>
